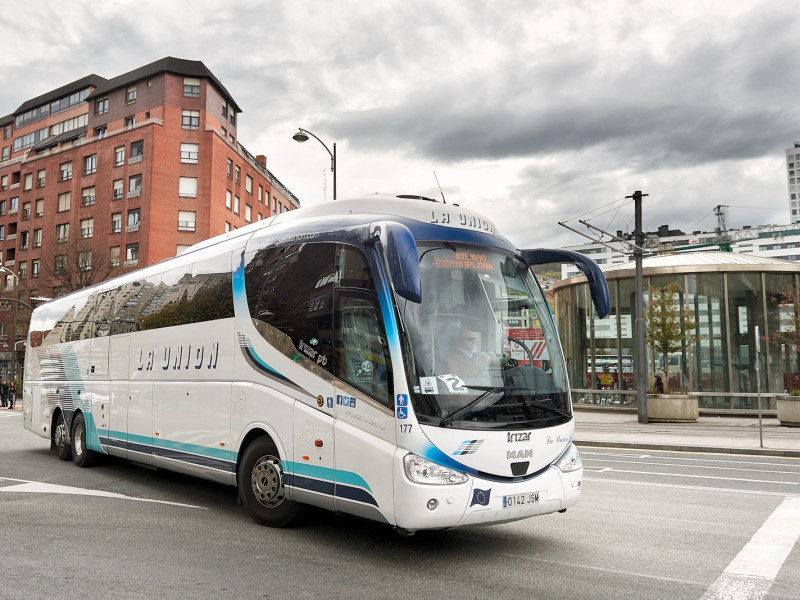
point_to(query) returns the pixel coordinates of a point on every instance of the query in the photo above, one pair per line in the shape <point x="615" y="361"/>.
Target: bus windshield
<point x="483" y="351"/>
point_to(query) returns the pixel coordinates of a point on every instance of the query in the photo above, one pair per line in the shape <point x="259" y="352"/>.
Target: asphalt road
<point x="649" y="525"/>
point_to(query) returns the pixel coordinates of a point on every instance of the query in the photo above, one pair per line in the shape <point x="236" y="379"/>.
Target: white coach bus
<point x="356" y="356"/>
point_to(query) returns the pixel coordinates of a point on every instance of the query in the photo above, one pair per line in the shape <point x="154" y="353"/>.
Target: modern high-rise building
<point x="105" y="175"/>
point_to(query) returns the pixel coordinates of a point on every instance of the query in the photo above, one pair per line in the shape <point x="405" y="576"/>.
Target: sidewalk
<point x="734" y="435"/>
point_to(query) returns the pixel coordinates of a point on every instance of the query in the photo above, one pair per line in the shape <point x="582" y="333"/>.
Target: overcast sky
<point x="532" y="112"/>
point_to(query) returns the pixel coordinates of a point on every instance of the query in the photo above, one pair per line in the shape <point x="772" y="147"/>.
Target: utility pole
<point x="642" y="380"/>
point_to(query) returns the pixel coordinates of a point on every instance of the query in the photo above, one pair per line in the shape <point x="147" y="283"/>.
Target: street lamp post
<point x="302" y="136"/>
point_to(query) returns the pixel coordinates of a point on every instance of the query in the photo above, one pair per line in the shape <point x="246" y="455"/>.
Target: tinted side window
<point x="290" y="288"/>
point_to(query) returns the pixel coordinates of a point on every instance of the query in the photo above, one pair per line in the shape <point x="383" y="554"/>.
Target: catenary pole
<point x="642" y="381"/>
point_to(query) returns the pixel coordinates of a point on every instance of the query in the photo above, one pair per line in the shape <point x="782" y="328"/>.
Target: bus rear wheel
<point x="59" y="439"/>
<point x="261" y="486"/>
<point x="81" y="455"/>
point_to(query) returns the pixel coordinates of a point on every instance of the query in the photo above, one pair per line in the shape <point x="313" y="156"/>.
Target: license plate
<point x="520" y="499"/>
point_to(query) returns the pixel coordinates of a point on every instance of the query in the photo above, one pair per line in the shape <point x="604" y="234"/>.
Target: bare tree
<point x="79" y="263"/>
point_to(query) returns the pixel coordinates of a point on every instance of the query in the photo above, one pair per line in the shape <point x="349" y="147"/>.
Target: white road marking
<point x="665" y="464"/>
<point x="701" y="488"/>
<point x="750" y="575"/>
<point x="706" y="477"/>
<point x="38" y="487"/>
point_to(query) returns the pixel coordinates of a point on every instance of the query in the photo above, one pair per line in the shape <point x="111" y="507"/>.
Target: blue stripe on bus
<point x="330" y="488"/>
<point x="317" y="472"/>
<point x="192" y="453"/>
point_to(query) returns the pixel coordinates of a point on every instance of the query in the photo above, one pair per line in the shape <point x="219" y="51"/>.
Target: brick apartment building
<point x="102" y="175"/>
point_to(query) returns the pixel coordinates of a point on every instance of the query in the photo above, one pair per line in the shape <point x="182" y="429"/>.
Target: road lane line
<point x="701" y="488"/>
<point x="706" y="477"/>
<point x="750" y="575"/>
<point x="37" y="487"/>
<point x="666" y="464"/>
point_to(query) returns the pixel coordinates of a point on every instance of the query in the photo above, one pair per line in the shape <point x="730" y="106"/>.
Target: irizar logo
<point x="519" y="437"/>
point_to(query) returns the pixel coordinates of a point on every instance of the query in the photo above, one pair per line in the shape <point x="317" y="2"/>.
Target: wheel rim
<point x="58" y="435"/>
<point x="267" y="481"/>
<point x="78" y="441"/>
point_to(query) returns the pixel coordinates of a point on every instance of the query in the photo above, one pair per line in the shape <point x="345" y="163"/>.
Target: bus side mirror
<point x="597" y="282"/>
<point x="401" y="254"/>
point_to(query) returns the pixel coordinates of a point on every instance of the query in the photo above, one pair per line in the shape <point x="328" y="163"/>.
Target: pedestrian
<point x="659" y="385"/>
<point x="4" y="392"/>
<point x="12" y="394"/>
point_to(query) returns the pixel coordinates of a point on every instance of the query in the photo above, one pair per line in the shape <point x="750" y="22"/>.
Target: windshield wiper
<point x="447" y="421"/>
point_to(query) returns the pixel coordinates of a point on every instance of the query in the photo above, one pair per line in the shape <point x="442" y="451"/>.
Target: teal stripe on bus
<point x="327" y="474"/>
<point x="218" y="453"/>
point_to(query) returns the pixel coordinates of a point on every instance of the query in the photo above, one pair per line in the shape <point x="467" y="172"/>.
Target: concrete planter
<point x="672" y="408"/>
<point x="789" y="410"/>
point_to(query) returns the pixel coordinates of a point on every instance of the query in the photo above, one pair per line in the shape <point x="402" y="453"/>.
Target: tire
<point x="58" y="442"/>
<point x="261" y="486"/>
<point x="81" y="455"/>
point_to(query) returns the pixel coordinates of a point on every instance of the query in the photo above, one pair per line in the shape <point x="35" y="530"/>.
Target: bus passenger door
<point x="365" y="430"/>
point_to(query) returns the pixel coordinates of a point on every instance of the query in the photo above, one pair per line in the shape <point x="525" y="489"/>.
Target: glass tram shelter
<point x="729" y="295"/>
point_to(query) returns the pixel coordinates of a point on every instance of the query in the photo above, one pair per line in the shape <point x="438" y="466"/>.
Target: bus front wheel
<point x="81" y="455"/>
<point x="261" y="486"/>
<point x="59" y="439"/>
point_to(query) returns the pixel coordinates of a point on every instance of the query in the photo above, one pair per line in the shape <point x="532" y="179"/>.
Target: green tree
<point x="668" y="324"/>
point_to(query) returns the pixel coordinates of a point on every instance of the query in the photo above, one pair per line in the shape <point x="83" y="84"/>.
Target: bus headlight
<point x="569" y="461"/>
<point x="421" y="470"/>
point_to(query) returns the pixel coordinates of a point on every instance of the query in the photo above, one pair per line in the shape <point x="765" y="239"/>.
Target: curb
<point x="686" y="448"/>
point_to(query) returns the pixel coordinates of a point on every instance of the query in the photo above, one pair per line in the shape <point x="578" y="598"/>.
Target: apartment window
<point x="2" y="207"/>
<point x="13" y="206"/>
<point x="224" y="109"/>
<point x="40" y="177"/>
<point x="101" y="106"/>
<point x="133" y="218"/>
<point x="114" y="256"/>
<point x="6" y="152"/>
<point x="64" y="201"/>
<point x="191" y="119"/>
<point x="26" y="211"/>
<point x="23" y="240"/>
<point x="2" y="234"/>
<point x="130" y="95"/>
<point x="137" y="151"/>
<point x="248" y="213"/>
<point x="4" y="182"/>
<point x="23" y="269"/>
<point x="132" y="254"/>
<point x="130" y="122"/>
<point x="35" y="267"/>
<point x="116" y="193"/>
<point x="116" y="222"/>
<point x="187" y="187"/>
<point x="101" y="132"/>
<point x="39" y="208"/>
<point x="85" y="260"/>
<point x="28" y="181"/>
<point x="186" y="220"/>
<point x="260" y="194"/>
<point x="228" y="198"/>
<point x="189" y="153"/>
<point x="236" y="204"/>
<point x="87" y="228"/>
<point x="274" y="204"/>
<point x="90" y="164"/>
<point x="61" y="264"/>
<point x="191" y="87"/>
<point x="230" y="167"/>
<point x="66" y="171"/>
<point x="62" y="233"/>
<point x="227" y="227"/>
<point x="37" y="238"/>
<point x="135" y="185"/>
<point x="87" y="196"/>
<point x="119" y="156"/>
<point x="238" y="174"/>
<point x="248" y="184"/>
